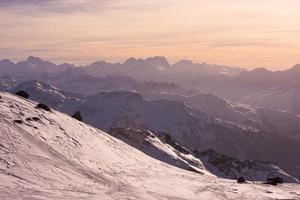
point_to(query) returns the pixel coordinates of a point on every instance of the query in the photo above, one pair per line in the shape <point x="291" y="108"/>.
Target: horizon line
<point x="87" y="63"/>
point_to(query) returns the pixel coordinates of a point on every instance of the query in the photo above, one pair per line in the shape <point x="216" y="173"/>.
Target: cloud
<point x="73" y="6"/>
<point x="55" y="6"/>
<point x="221" y="44"/>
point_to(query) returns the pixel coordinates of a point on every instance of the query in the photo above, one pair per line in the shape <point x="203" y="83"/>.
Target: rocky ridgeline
<point x="159" y="145"/>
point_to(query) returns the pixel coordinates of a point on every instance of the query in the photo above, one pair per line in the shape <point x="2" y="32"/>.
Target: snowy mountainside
<point x="57" y="157"/>
<point x="7" y="83"/>
<point x="162" y="147"/>
<point x="256" y="118"/>
<point x="246" y="84"/>
<point x="244" y="115"/>
<point x="224" y="166"/>
<point x="50" y="95"/>
<point x="150" y="144"/>
<point x="252" y="118"/>
<point x="285" y="97"/>
<point x="192" y="129"/>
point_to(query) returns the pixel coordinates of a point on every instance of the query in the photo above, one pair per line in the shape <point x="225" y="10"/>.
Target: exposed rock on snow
<point x="43" y="106"/>
<point x="241" y="180"/>
<point x="22" y="94"/>
<point x="78" y="116"/>
<point x="274" y="180"/>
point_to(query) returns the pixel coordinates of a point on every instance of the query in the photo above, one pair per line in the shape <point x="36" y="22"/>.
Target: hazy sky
<point x="246" y="33"/>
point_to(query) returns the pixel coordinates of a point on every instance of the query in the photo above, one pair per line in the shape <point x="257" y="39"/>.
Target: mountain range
<point x="208" y="120"/>
<point x="256" y="87"/>
<point x="238" y="131"/>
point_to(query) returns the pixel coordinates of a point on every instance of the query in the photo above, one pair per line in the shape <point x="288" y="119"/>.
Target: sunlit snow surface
<point x="57" y="157"/>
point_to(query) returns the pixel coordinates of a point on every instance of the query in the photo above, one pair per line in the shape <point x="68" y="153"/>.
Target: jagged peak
<point x="260" y="69"/>
<point x="67" y="65"/>
<point x="6" y="62"/>
<point x="184" y="62"/>
<point x="101" y="62"/>
<point x="295" y="68"/>
<point x="130" y="60"/>
<point x="158" y="60"/>
<point x="34" y="59"/>
<point x="155" y="60"/>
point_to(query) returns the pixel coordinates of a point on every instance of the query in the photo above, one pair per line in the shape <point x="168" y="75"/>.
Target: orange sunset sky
<point x="245" y="33"/>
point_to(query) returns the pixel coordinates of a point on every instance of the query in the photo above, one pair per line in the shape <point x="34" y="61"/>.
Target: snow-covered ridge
<point x="248" y="117"/>
<point x="48" y="155"/>
<point x="224" y="166"/>
<point x="150" y="144"/>
<point x="162" y="147"/>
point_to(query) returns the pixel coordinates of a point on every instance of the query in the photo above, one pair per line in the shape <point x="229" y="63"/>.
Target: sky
<point x="244" y="33"/>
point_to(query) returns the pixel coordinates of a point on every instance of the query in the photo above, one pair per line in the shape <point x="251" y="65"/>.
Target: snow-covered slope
<point x="57" y="157"/>
<point x="193" y="129"/>
<point x="53" y="156"/>
<point x="52" y="96"/>
<point x="224" y="166"/>
<point x="150" y="144"/>
<point x="252" y="118"/>
<point x="162" y="147"/>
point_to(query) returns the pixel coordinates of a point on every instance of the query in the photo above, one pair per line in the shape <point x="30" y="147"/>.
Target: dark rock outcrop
<point x="35" y="119"/>
<point x="274" y="181"/>
<point x="77" y="116"/>
<point x="18" y="121"/>
<point x="23" y="94"/>
<point x="43" y="106"/>
<point x="241" y="180"/>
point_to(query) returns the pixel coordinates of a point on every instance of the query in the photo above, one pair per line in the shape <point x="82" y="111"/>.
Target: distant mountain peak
<point x="33" y="59"/>
<point x="130" y="60"/>
<point x="160" y="60"/>
<point x="260" y="69"/>
<point x="101" y="62"/>
<point x="295" y="68"/>
<point x="67" y="65"/>
<point x="184" y="62"/>
<point x="6" y="62"/>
